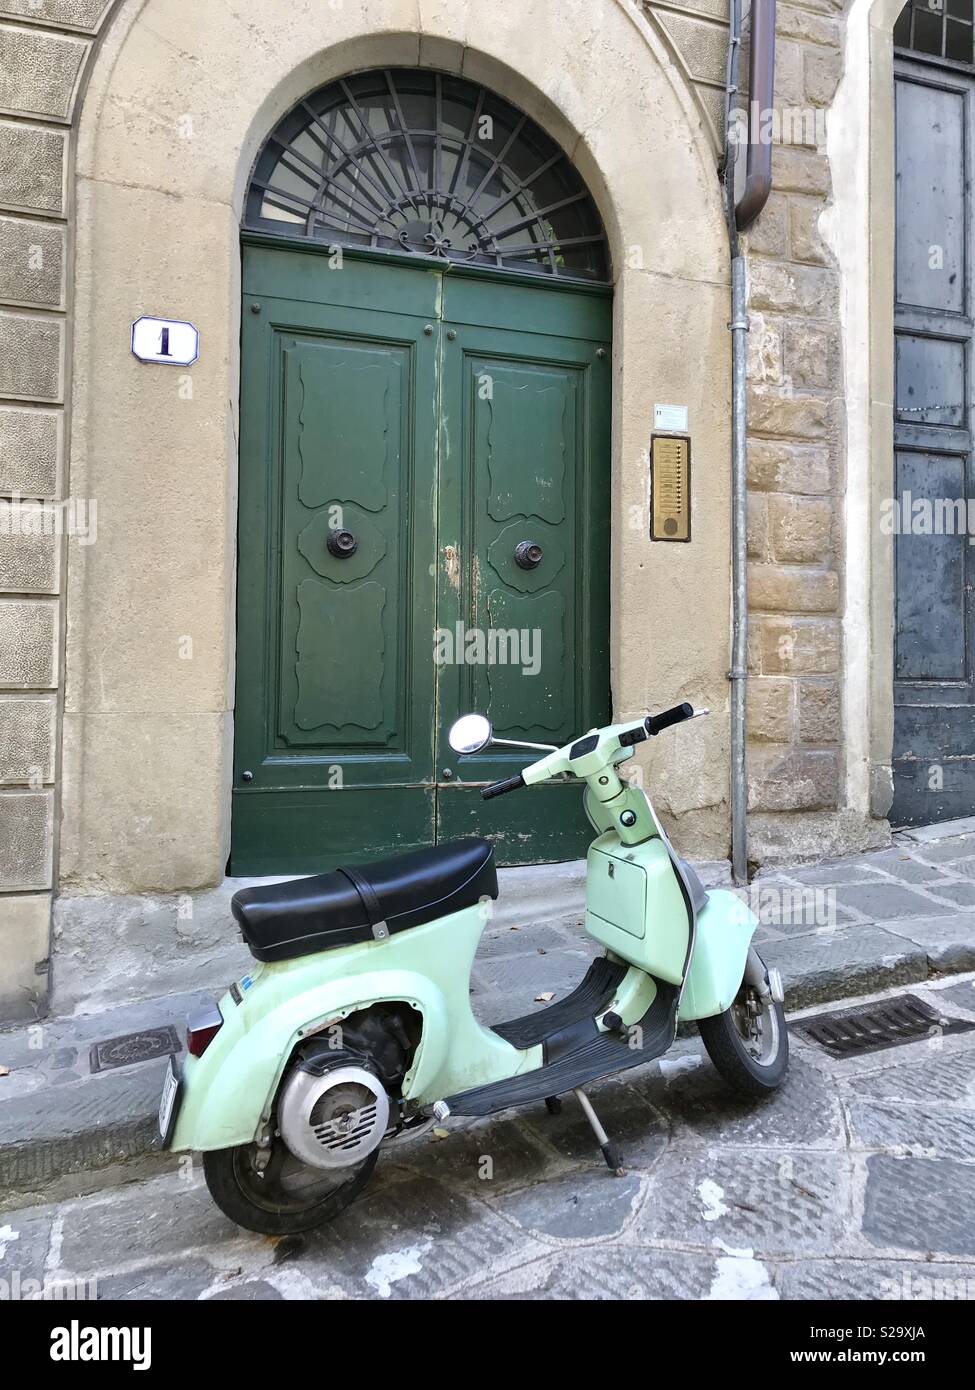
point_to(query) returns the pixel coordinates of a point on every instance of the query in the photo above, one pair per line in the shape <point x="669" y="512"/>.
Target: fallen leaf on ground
<point x="440" y="1133"/>
<point x="545" y="997"/>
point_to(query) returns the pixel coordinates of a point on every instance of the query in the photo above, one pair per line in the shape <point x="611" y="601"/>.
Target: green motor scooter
<point x="354" y="1030"/>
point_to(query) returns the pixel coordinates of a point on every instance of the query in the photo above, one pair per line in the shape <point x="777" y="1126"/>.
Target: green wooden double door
<point x="424" y="531"/>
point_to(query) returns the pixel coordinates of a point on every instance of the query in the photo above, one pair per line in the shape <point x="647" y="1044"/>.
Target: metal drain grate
<point x="134" y="1047"/>
<point x="872" y="1027"/>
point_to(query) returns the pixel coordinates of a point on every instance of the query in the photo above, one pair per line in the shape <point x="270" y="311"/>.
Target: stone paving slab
<point x="827" y="965"/>
<point x="895" y="1280"/>
<point x="631" y="1274"/>
<point x="922" y="1131"/>
<point x="56" y="1050"/>
<point x="945" y="830"/>
<point x="69" y="1129"/>
<point x="948" y="942"/>
<point x="701" y="1109"/>
<point x="183" y="1279"/>
<point x="838" y="929"/>
<point x="920" y="1204"/>
<point x="960" y="996"/>
<point x="942" y="849"/>
<point x="925" y="1074"/>
<point x="581" y="1206"/>
<point x="759" y="1206"/>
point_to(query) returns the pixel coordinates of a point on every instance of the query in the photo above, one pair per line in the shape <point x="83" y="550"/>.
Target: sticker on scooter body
<point x="290" y="1117"/>
<point x="240" y="987"/>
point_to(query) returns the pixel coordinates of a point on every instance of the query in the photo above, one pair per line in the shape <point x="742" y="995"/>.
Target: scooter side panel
<point x="227" y="1093"/>
<point x="724" y="933"/>
<point x="657" y="941"/>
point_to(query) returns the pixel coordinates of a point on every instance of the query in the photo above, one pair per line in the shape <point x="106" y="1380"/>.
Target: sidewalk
<point x="834" y="930"/>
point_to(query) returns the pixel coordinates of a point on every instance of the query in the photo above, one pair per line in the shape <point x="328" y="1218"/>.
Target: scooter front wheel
<point x="748" y="1043"/>
<point x="284" y="1197"/>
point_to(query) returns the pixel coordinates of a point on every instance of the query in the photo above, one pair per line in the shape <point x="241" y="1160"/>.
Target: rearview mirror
<point x="470" y="733"/>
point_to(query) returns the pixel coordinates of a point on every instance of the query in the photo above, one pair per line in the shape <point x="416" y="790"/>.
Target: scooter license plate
<point x="167" y="1103"/>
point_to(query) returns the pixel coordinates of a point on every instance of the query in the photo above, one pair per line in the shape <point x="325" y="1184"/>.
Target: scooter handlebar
<point x="652" y="725"/>
<point x="510" y="784"/>
<point x="656" y="723"/>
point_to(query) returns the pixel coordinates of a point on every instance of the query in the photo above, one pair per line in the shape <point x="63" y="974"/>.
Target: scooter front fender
<point x="226" y="1095"/>
<point x="724" y="933"/>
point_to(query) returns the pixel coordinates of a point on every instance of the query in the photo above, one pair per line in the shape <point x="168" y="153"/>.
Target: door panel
<point x="931" y="200"/>
<point x="335" y="686"/>
<point x="934" y="686"/>
<point x="930" y="637"/>
<point x="346" y="422"/>
<point x="525" y="460"/>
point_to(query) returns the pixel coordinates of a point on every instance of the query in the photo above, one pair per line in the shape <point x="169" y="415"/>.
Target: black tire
<point x="727" y="1049"/>
<point x="272" y="1210"/>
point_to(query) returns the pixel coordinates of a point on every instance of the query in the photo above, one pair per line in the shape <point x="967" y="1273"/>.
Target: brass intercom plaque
<point x="670" y="482"/>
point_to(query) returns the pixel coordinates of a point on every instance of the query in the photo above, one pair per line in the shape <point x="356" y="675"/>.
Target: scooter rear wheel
<point x="288" y="1197"/>
<point x="748" y="1043"/>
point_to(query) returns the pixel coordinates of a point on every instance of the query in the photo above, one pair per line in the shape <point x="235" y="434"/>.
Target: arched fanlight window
<point x="432" y="165"/>
<point x="940" y="28"/>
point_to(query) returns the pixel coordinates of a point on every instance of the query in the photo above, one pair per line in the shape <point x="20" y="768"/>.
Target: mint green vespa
<point x="354" y="1029"/>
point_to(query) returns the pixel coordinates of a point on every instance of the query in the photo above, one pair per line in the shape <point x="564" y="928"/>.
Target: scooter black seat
<point x="364" y="902"/>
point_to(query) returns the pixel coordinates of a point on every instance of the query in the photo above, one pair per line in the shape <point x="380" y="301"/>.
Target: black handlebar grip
<point x="510" y="784"/>
<point x="658" y="722"/>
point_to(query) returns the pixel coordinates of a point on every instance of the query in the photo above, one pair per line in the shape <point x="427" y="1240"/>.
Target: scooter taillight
<point x="201" y="1028"/>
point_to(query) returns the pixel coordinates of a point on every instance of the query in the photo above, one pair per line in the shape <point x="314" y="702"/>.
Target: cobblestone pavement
<point x="856" y="1180"/>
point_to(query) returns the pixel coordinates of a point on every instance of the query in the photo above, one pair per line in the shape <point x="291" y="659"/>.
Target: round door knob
<point x="448" y="774"/>
<point x="528" y="554"/>
<point x="341" y="544"/>
<point x="247" y="776"/>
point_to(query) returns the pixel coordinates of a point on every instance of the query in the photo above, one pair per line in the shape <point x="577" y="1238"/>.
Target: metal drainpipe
<point x="758" y="185"/>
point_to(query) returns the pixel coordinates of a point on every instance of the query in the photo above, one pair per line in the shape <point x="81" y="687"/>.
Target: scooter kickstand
<point x="612" y="1155"/>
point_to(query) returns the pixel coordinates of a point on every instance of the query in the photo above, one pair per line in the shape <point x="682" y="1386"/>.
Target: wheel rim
<point x="286" y="1184"/>
<point x="756" y="1027"/>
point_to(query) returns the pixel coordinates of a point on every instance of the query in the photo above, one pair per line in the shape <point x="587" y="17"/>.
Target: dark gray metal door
<point x="934" y="680"/>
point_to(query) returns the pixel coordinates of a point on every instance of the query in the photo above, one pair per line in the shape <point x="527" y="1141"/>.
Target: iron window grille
<point x="428" y="164"/>
<point x="938" y="28"/>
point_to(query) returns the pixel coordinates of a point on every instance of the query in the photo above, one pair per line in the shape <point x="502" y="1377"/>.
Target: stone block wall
<point x="795" y="466"/>
<point x="795" y="436"/>
<point x="45" y="47"/>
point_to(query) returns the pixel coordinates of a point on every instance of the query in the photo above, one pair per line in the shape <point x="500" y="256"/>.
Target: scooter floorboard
<point x="591" y="996"/>
<point x="576" y="1055"/>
